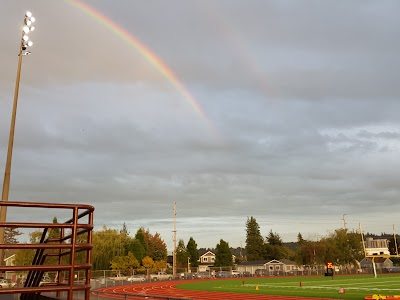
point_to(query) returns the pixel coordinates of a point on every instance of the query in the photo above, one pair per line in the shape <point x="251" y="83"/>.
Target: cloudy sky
<point x="287" y="111"/>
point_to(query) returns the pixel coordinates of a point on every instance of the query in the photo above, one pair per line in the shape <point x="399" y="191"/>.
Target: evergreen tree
<point x="274" y="247"/>
<point x="223" y="255"/>
<point x="255" y="249"/>
<point x="193" y="252"/>
<point x="10" y="235"/>
<point x="181" y="254"/>
<point x="140" y="236"/>
<point x="300" y="238"/>
<point x="302" y="251"/>
<point x="137" y="249"/>
<point x="124" y="230"/>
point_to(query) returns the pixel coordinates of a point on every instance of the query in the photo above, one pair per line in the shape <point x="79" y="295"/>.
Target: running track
<point x="169" y="289"/>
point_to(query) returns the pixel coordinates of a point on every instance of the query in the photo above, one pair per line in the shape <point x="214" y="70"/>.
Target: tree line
<point x="117" y="250"/>
<point x="342" y="247"/>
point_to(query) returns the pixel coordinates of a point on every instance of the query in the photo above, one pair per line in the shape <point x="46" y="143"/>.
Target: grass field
<point x="356" y="287"/>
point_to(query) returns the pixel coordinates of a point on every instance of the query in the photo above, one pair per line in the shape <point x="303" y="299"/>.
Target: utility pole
<point x="344" y="221"/>
<point x="174" y="253"/>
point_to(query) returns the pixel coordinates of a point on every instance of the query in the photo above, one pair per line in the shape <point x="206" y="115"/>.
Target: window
<point x="205" y="258"/>
<point x="212" y="258"/>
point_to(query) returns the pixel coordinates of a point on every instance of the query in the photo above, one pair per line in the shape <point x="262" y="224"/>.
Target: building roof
<point x="378" y="260"/>
<point x="263" y="262"/>
<point x="253" y="263"/>
<point x="288" y="261"/>
<point x="208" y="253"/>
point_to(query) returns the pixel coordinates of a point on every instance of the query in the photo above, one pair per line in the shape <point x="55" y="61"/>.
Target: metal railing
<point x="55" y="252"/>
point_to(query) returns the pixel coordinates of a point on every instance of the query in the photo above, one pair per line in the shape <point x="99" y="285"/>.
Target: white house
<point x="206" y="261"/>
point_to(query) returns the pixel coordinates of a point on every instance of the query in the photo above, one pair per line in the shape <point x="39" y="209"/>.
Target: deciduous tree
<point x="148" y="262"/>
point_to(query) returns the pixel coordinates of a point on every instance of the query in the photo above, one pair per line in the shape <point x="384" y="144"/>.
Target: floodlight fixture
<point x="26" y="29"/>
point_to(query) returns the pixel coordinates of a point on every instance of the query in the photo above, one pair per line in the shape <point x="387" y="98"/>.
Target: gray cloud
<point x="300" y="119"/>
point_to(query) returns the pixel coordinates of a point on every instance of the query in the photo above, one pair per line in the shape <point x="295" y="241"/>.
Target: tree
<point x="141" y="238"/>
<point x="124" y="230"/>
<point x="274" y="247"/>
<point x="125" y="264"/>
<point x="181" y="254"/>
<point x="104" y="248"/>
<point x="53" y="237"/>
<point x="223" y="255"/>
<point x="193" y="252"/>
<point x="153" y="245"/>
<point x="148" y="262"/>
<point x="254" y="241"/>
<point x="302" y="252"/>
<point x="160" y="265"/>
<point x="136" y="247"/>
<point x="25" y="256"/>
<point x="10" y="235"/>
<point x="157" y="247"/>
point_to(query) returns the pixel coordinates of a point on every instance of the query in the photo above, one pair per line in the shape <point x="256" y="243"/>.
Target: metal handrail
<point x="66" y="244"/>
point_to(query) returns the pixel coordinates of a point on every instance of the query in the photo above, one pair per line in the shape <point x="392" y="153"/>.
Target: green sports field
<point x="355" y="287"/>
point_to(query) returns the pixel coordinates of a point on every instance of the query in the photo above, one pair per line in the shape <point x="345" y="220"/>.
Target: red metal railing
<point x="73" y="236"/>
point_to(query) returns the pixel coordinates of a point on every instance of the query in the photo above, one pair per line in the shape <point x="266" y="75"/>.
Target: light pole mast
<point x="344" y="221"/>
<point x="174" y="253"/>
<point x="24" y="44"/>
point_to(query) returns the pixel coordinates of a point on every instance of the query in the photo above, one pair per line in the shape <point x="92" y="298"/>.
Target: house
<point x="380" y="263"/>
<point x="269" y="267"/>
<point x="206" y="261"/>
<point x="9" y="260"/>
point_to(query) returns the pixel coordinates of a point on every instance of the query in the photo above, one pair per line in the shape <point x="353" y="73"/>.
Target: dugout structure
<point x="63" y="249"/>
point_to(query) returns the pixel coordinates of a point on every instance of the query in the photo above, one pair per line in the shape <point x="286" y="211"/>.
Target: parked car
<point x="261" y="272"/>
<point x="223" y="274"/>
<point x="204" y="274"/>
<point x="4" y="284"/>
<point x="187" y="275"/>
<point x="246" y="274"/>
<point x="136" y="278"/>
<point x="160" y="276"/>
<point x="46" y="281"/>
<point x="235" y="273"/>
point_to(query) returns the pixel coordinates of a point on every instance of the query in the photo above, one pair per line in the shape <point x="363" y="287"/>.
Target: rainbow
<point x="150" y="57"/>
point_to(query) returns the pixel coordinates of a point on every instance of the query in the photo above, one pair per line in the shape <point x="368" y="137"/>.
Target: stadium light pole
<point x="25" y="43"/>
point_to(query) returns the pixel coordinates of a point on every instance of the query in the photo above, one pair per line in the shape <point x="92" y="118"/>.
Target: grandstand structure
<point x="377" y="248"/>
